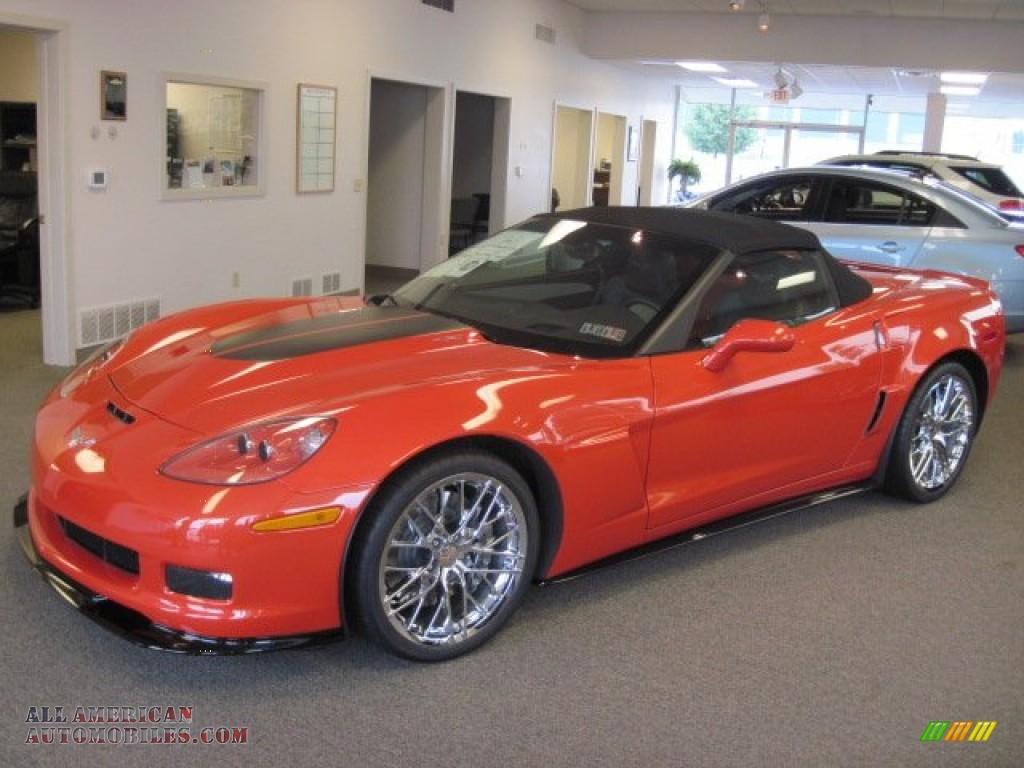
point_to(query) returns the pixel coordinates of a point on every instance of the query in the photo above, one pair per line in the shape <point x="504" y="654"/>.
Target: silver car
<point x="888" y="217"/>
<point x="986" y="181"/>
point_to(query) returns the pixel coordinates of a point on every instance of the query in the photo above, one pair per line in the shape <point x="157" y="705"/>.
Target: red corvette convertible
<point x="264" y="473"/>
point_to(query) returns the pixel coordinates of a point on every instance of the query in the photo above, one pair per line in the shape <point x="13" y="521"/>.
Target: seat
<point x="460" y="226"/>
<point x="648" y="281"/>
<point x="19" y="240"/>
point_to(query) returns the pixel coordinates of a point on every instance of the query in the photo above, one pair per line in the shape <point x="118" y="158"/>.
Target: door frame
<point x="52" y="111"/>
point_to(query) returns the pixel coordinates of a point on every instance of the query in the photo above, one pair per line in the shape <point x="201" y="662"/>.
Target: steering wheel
<point x="642" y="308"/>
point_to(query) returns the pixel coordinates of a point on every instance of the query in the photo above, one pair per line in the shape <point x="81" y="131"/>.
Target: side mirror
<point x="748" y="336"/>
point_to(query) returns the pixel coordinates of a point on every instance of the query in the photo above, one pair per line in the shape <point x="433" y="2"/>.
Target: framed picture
<point x="113" y="95"/>
<point x="633" y="145"/>
<point x="317" y="119"/>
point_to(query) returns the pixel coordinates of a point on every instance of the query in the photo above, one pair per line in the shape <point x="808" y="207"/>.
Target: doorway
<point x="405" y="222"/>
<point x="45" y="69"/>
<point x="571" y="180"/>
<point x="609" y="160"/>
<point x="479" y="167"/>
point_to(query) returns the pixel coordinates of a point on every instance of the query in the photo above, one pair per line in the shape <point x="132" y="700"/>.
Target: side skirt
<point x="712" y="529"/>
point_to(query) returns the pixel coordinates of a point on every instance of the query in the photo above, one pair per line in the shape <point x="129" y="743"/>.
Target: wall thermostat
<point x="96" y="178"/>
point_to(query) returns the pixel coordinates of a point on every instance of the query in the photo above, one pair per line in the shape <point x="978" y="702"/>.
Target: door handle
<point x="891" y="246"/>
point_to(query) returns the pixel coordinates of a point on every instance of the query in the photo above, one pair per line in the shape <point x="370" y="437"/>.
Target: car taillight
<point x="1019" y="249"/>
<point x="1011" y="205"/>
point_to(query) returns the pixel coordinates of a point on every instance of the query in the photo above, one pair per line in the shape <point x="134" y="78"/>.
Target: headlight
<point x="257" y="453"/>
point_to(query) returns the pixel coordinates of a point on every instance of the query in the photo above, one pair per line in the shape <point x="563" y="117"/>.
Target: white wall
<point x="125" y="243"/>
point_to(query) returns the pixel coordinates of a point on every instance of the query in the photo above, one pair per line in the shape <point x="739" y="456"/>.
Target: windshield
<point x="563" y="285"/>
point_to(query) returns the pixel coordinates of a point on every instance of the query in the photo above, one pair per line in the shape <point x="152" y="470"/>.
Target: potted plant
<point x="688" y="172"/>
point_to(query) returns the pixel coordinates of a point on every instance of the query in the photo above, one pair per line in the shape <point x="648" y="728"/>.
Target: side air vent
<point x="879" y="407"/>
<point x="302" y="286"/>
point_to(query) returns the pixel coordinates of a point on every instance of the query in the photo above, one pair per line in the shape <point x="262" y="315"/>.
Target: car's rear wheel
<point x="446" y="556"/>
<point x="934" y="435"/>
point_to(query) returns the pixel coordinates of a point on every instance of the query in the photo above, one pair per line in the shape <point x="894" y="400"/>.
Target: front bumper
<point x="135" y="627"/>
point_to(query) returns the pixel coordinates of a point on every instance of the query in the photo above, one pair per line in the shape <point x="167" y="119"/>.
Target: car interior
<point x="788" y="287"/>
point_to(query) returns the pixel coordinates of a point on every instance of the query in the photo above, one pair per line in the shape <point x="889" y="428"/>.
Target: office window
<point x="214" y="138"/>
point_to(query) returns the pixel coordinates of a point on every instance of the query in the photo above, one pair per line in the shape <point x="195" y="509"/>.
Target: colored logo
<point x="958" y="730"/>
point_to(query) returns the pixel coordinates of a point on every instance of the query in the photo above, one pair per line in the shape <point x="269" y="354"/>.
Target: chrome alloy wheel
<point x="452" y="558"/>
<point x="942" y="432"/>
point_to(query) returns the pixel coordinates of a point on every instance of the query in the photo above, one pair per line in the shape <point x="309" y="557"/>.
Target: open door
<point x="571" y="157"/>
<point x="609" y="160"/>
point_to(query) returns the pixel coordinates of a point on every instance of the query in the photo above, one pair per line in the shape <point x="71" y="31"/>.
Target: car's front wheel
<point x="445" y="557"/>
<point x="934" y="435"/>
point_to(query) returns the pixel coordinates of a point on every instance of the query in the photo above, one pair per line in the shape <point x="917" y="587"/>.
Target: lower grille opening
<point x="114" y="554"/>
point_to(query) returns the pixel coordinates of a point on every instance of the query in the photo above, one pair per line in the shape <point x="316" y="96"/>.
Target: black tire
<point x="446" y="555"/>
<point x="935" y="435"/>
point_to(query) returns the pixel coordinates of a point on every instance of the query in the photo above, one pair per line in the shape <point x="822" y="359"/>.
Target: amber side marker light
<point x="311" y="519"/>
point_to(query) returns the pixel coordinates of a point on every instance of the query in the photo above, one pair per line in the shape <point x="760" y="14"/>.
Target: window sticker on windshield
<point x="493" y="249"/>
<point x="608" y="332"/>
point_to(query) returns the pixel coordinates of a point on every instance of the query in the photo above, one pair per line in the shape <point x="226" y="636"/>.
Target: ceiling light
<point x="701" y="66"/>
<point x="736" y="5"/>
<point x="960" y="90"/>
<point x="963" y="78"/>
<point x="735" y="82"/>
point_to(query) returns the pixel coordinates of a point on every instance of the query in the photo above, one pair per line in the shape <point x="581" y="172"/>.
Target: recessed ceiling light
<point x="960" y="90"/>
<point x="963" y="78"/>
<point x="701" y="66"/>
<point x="735" y="82"/>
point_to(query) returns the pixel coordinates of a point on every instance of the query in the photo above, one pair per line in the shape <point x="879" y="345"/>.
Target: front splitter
<point x="137" y="628"/>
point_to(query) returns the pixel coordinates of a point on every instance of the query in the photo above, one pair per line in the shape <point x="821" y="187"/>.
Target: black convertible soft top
<point x="728" y="231"/>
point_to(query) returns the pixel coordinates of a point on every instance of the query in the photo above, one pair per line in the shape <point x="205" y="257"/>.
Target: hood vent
<point x="119" y="414"/>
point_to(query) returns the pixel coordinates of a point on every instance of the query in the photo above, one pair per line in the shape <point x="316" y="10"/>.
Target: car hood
<point x="287" y="362"/>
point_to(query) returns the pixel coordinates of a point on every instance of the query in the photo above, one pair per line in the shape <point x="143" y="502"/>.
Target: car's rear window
<point x="994" y="180"/>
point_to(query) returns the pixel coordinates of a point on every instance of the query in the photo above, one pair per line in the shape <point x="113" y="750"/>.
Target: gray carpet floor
<point x="831" y="637"/>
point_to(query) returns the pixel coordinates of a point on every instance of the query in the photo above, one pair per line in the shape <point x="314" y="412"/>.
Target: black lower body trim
<point x="711" y="529"/>
<point x="136" y="628"/>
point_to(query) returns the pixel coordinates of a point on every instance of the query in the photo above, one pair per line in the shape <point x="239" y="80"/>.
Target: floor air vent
<point x="102" y="324"/>
<point x="330" y="283"/>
